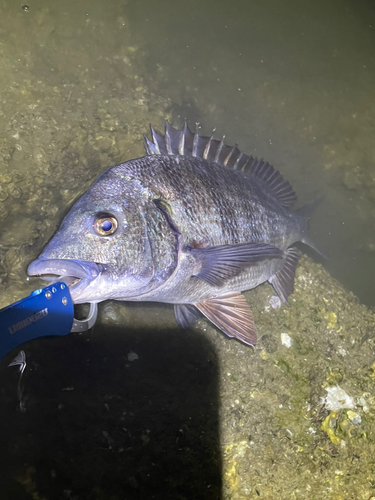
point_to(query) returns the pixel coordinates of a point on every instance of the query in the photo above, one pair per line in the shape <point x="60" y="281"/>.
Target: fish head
<point x="102" y="249"/>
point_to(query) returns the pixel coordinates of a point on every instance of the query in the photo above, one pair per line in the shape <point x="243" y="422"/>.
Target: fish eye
<point x="106" y="225"/>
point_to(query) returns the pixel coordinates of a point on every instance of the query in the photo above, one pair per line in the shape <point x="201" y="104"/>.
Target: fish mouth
<point x="76" y="274"/>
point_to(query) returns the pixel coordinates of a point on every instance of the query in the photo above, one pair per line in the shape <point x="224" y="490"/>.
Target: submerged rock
<point x="278" y="436"/>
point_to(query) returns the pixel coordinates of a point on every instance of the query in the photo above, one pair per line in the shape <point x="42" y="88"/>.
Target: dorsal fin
<point x="186" y="143"/>
<point x="279" y="187"/>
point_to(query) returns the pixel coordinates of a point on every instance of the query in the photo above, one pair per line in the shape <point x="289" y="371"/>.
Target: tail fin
<point x="306" y="212"/>
<point x="308" y="241"/>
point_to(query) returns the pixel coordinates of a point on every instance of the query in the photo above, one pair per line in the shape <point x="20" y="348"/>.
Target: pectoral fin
<point x="232" y="315"/>
<point x="220" y="263"/>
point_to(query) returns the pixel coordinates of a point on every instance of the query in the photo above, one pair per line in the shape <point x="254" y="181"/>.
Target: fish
<point x="193" y="223"/>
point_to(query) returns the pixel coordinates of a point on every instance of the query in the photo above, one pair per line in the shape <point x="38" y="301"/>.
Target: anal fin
<point x="232" y="315"/>
<point x="283" y="280"/>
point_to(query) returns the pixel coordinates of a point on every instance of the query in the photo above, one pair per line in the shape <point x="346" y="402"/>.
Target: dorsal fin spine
<point x="185" y="132"/>
<point x="207" y="148"/>
<point x="218" y="151"/>
<point x="229" y="155"/>
<point x="167" y="138"/>
<point x="148" y="145"/>
<point x="155" y="140"/>
<point x="235" y="166"/>
<point x="181" y="146"/>
<point x="195" y="143"/>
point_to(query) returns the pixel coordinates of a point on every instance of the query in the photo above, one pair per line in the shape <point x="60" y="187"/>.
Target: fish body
<point x="193" y="223"/>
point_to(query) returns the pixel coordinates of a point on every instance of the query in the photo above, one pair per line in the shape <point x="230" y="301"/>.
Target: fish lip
<point x="68" y="271"/>
<point x="63" y="267"/>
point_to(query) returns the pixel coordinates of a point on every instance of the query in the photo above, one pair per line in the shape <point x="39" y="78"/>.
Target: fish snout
<point x="76" y="274"/>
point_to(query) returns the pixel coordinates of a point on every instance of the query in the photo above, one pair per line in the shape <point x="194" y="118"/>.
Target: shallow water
<point x="291" y="82"/>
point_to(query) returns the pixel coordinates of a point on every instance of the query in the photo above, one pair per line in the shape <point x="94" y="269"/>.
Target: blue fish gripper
<point x="48" y="311"/>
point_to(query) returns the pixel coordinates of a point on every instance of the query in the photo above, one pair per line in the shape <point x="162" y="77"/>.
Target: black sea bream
<point x="193" y="223"/>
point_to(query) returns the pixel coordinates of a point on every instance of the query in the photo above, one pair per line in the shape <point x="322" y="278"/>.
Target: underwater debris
<point x="337" y="399"/>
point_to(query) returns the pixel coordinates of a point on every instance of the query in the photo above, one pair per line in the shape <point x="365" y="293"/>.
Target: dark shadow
<point x="100" y="424"/>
